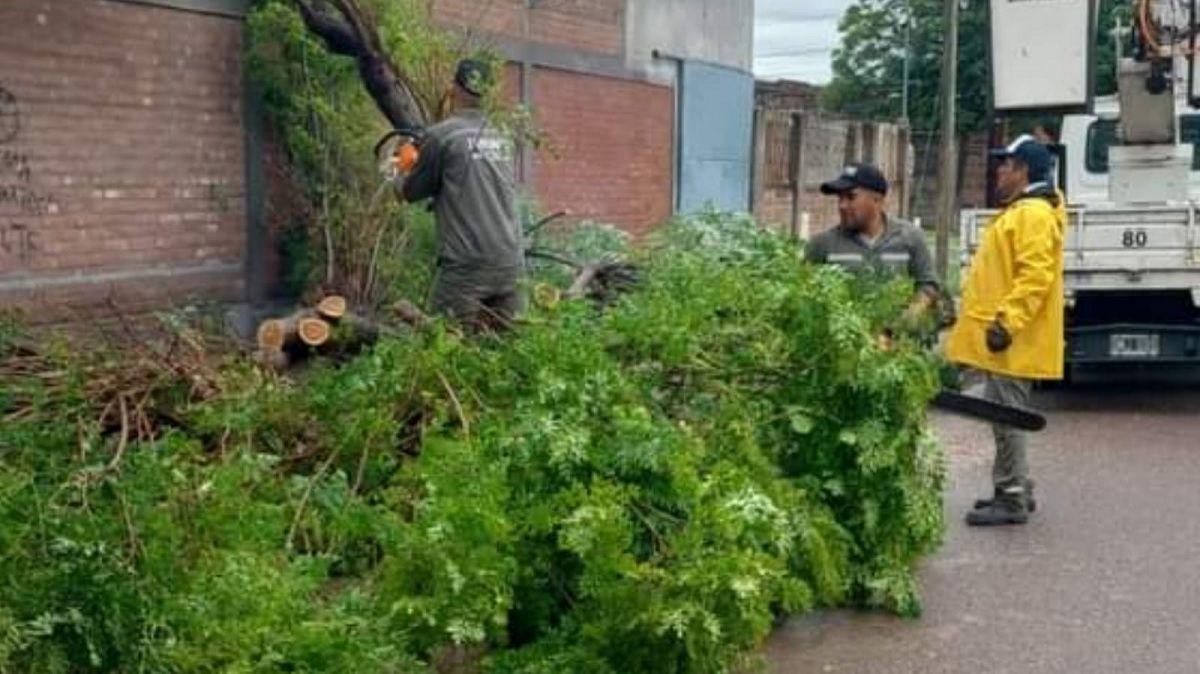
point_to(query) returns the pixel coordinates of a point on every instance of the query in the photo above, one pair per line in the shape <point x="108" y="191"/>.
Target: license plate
<point x="1133" y="346"/>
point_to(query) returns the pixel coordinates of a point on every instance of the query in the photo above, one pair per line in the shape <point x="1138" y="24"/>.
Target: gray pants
<point x="1011" y="466"/>
<point x="480" y="300"/>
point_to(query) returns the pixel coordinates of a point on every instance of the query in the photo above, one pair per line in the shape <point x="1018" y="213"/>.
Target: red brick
<point x="588" y="25"/>
<point x="611" y="148"/>
<point x="131" y="120"/>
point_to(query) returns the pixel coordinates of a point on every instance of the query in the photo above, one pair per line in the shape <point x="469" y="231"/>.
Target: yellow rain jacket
<point x="1016" y="276"/>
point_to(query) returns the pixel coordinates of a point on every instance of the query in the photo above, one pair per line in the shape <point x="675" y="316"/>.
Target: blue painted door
<point x="715" y="137"/>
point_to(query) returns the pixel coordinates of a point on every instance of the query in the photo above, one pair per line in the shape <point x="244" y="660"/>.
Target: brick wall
<point x="502" y="17"/>
<point x="592" y="25"/>
<point x="611" y="148"/>
<point x="611" y="138"/>
<point x="121" y="156"/>
<point x="587" y="25"/>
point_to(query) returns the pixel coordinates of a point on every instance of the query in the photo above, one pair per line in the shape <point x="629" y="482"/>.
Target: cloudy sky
<point x="794" y="39"/>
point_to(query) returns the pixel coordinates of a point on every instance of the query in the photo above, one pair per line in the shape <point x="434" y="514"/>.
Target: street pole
<point x="948" y="164"/>
<point x="904" y="78"/>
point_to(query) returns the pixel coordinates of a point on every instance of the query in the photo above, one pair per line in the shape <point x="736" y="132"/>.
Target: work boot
<point x="1007" y="508"/>
<point x="1030" y="502"/>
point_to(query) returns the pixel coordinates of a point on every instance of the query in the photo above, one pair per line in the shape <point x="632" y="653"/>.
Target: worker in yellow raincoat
<point x="1010" y="325"/>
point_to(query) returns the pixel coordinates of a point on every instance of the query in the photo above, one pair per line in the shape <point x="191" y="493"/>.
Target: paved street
<point x="1105" y="578"/>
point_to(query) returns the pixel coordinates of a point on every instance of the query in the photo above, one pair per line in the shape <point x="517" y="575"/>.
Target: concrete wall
<point x="825" y="146"/>
<point x="122" y="164"/>
<point x="714" y="31"/>
<point x="787" y="95"/>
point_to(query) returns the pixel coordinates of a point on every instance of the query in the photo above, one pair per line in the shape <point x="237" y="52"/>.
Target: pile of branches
<point x="129" y="386"/>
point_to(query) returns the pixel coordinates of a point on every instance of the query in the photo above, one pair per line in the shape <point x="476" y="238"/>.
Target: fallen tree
<point x="638" y="489"/>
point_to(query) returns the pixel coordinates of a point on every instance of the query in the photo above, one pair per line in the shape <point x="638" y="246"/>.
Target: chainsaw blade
<point x="986" y="410"/>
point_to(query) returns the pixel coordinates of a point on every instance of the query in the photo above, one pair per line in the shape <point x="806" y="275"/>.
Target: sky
<point x="794" y="39"/>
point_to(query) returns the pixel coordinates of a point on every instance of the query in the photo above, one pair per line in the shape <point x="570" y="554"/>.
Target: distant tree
<point x="868" y="66"/>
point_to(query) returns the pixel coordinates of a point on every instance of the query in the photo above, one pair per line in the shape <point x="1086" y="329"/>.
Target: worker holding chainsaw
<point x="465" y="166"/>
<point x="867" y="239"/>
<point x="1010" y="325"/>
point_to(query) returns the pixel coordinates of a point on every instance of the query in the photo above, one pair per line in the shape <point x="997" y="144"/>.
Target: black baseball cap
<point x="866" y="176"/>
<point x="473" y="76"/>
<point x="1030" y="152"/>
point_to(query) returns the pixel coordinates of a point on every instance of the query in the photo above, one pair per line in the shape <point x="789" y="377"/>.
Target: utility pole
<point x="905" y="192"/>
<point x="904" y="78"/>
<point x="948" y="164"/>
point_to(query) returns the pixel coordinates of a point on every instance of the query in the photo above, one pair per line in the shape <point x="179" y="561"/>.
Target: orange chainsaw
<point x="397" y="152"/>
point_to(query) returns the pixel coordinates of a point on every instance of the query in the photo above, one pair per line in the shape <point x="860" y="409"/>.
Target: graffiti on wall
<point x="10" y="118"/>
<point x="21" y="202"/>
<point x="17" y="241"/>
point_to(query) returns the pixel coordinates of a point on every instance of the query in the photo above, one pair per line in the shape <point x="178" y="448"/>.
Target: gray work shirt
<point x="900" y="249"/>
<point x="465" y="166"/>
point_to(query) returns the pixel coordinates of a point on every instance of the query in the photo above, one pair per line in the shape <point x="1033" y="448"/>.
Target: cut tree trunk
<point x="332" y="308"/>
<point x="328" y="331"/>
<point x="303" y="328"/>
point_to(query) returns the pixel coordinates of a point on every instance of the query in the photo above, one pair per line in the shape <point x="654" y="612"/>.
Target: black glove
<point x="998" y="338"/>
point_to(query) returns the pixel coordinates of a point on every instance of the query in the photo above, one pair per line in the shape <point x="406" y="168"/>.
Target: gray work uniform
<point x="1010" y="470"/>
<point x="465" y="166"/>
<point x="900" y="249"/>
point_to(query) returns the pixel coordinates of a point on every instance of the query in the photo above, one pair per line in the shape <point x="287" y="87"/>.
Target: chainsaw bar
<point x="986" y="410"/>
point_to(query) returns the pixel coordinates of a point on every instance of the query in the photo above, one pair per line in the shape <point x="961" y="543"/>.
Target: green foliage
<point x="638" y="490"/>
<point x="868" y="65"/>
<point x="1111" y="11"/>
<point x="315" y="100"/>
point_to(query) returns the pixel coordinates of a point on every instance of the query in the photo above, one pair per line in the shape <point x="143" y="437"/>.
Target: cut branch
<point x="332" y="307"/>
<point x="353" y="32"/>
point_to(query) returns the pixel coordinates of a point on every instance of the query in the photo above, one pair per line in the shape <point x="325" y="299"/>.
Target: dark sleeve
<point x="425" y="181"/>
<point x="920" y="265"/>
<point x="815" y="250"/>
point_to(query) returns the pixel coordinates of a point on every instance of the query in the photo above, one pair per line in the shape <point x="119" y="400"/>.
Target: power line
<point x="771" y="17"/>
<point x="806" y="51"/>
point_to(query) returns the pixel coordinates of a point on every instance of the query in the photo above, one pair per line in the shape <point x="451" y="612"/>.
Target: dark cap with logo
<point x="866" y="176"/>
<point x="473" y="76"/>
<point x="1029" y="151"/>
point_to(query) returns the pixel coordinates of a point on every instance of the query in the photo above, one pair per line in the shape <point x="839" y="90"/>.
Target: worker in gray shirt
<point x="465" y="166"/>
<point x="868" y="240"/>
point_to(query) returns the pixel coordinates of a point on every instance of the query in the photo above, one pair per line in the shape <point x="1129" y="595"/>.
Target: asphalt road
<point x="1104" y="578"/>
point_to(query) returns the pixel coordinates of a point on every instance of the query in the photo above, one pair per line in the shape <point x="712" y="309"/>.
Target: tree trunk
<point x="347" y="29"/>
